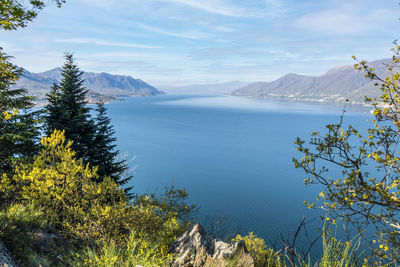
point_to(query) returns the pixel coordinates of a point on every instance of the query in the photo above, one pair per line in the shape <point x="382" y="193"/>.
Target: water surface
<point x="232" y="154"/>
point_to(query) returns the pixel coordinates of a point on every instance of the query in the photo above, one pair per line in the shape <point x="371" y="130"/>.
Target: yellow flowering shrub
<point x="78" y="206"/>
<point x="262" y="255"/>
<point x="63" y="186"/>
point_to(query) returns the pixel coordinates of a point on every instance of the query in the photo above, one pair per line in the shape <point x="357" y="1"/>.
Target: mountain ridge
<point x="336" y="85"/>
<point x="101" y="86"/>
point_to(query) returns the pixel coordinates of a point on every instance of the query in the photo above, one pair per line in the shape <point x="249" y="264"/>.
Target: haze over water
<point x="232" y="154"/>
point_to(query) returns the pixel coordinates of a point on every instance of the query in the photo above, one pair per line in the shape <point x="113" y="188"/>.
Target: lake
<point x="232" y="154"/>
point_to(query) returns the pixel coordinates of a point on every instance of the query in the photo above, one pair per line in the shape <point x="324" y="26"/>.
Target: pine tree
<point x="67" y="110"/>
<point x="105" y="154"/>
<point x="93" y="141"/>
<point x="19" y="132"/>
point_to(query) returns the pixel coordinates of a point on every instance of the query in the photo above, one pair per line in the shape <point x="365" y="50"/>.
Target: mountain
<point x="216" y="88"/>
<point x="337" y="84"/>
<point x="102" y="86"/>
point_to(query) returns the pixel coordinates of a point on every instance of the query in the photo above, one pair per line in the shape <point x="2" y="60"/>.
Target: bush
<point x="262" y="255"/>
<point x="84" y="210"/>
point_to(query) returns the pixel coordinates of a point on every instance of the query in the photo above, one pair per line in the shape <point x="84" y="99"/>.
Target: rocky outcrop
<point x="6" y="260"/>
<point x="194" y="249"/>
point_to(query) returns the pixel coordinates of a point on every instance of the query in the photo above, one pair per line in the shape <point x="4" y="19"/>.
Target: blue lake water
<point x="232" y="154"/>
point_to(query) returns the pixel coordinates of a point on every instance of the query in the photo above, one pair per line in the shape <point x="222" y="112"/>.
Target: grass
<point x="138" y="250"/>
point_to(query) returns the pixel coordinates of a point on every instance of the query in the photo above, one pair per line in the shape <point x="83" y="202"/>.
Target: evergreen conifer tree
<point x="67" y="110"/>
<point x="105" y="155"/>
<point x="19" y="132"/>
<point x="93" y="140"/>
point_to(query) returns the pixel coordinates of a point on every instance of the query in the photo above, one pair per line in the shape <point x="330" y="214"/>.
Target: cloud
<point x="343" y="21"/>
<point x="224" y="29"/>
<point x="101" y="3"/>
<point x="214" y="7"/>
<point x="275" y="7"/>
<point x="218" y="7"/>
<point x="103" y="43"/>
<point x="9" y="48"/>
<point x="188" y="35"/>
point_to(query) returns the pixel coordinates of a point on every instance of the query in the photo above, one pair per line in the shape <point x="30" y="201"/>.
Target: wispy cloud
<point x="224" y="29"/>
<point x="103" y="43"/>
<point x="275" y="7"/>
<point x="9" y="47"/>
<point x="188" y="35"/>
<point x="343" y="21"/>
<point x="200" y="40"/>
<point x="215" y="7"/>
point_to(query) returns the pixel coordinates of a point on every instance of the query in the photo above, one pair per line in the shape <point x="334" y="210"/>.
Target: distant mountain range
<point x="336" y="85"/>
<point x="101" y="86"/>
<point x="215" y="88"/>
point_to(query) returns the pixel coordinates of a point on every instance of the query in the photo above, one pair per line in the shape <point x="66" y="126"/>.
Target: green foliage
<point x="64" y="187"/>
<point x="104" y="152"/>
<point x="67" y="110"/>
<point x="93" y="140"/>
<point x="153" y="220"/>
<point x="22" y="229"/>
<point x="16" y="224"/>
<point x="18" y="130"/>
<point x="137" y="250"/>
<point x="368" y="191"/>
<point x="15" y="14"/>
<point x="18" y="124"/>
<point x="9" y="72"/>
<point x="81" y="208"/>
<point x="262" y="255"/>
<point x="173" y="203"/>
<point x="337" y="253"/>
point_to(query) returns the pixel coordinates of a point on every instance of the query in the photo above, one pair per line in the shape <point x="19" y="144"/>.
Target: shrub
<point x="86" y="210"/>
<point x="63" y="186"/>
<point x="262" y="255"/>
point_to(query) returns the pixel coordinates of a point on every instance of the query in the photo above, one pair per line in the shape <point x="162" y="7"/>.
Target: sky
<point x="178" y="42"/>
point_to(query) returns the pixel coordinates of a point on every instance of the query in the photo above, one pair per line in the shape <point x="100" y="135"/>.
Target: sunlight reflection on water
<point x="266" y="105"/>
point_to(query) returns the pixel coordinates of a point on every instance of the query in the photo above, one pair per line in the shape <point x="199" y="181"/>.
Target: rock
<point x="6" y="260"/>
<point x="194" y="249"/>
